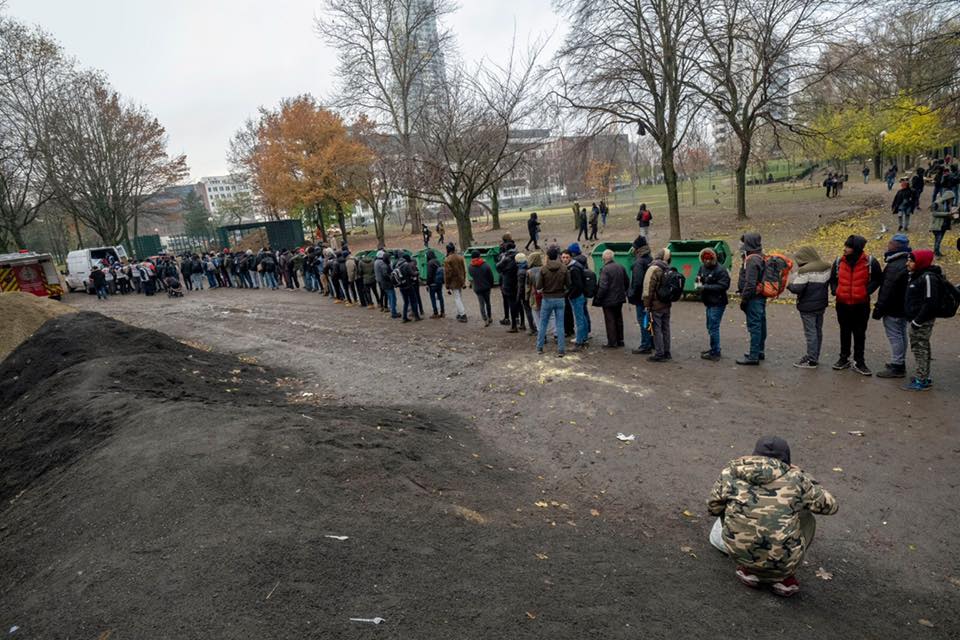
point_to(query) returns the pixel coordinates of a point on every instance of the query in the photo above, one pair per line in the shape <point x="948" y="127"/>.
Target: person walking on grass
<point x="582" y="220"/>
<point x="644" y="217"/>
<point x="641" y="262"/>
<point x="764" y="506"/>
<point x="903" y="205"/>
<point x="889" y="308"/>
<point x="925" y="289"/>
<point x="594" y="222"/>
<point x="713" y="281"/>
<point x="426" y="233"/>
<point x="811" y="285"/>
<point x="481" y="276"/>
<point x="533" y="230"/>
<point x="611" y="296"/>
<point x="523" y="299"/>
<point x="455" y="279"/>
<point x="866" y="174"/>
<point x="659" y="308"/>
<point x="855" y="276"/>
<point x="604" y="211"/>
<point x="409" y="285"/>
<point x="753" y="305"/>
<point x="552" y="285"/>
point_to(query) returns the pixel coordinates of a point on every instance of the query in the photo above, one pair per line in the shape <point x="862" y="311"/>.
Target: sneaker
<point x="406" y="320"/>
<point x="748" y="361"/>
<point x="805" y="363"/>
<point x="462" y="318"/>
<point x="786" y="587"/>
<point x="435" y="316"/>
<point x="641" y="352"/>
<point x="539" y="352"/>
<point x="918" y="385"/>
<point x="893" y="371"/>
<point x="656" y="358"/>
<point x="560" y="354"/>
<point x="705" y="353"/>
<point x="713" y="357"/>
<point x="747" y="578"/>
<point x="513" y="330"/>
<point x="862" y="369"/>
<point x="505" y="321"/>
<point x="841" y="364"/>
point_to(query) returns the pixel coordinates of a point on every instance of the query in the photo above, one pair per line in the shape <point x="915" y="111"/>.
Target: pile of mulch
<point x="21" y="314"/>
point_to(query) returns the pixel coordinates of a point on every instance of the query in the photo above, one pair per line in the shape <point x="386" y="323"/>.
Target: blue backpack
<point x="438" y="279"/>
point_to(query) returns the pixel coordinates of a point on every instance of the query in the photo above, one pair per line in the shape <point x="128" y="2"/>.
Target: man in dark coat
<point x="889" y="306"/>
<point x="507" y="268"/>
<point x="611" y="295"/>
<point x="641" y="262"/>
<point x="713" y="280"/>
<point x="533" y="230"/>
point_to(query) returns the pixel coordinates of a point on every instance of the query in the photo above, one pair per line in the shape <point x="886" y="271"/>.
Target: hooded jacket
<point x="641" y="263"/>
<point x="651" y="285"/>
<point x="751" y="269"/>
<point x="507" y="267"/>
<point x="715" y="282"/>
<point x="381" y="270"/>
<point x="577" y="281"/>
<point x="368" y="273"/>
<point x="481" y="274"/>
<point x="454" y="272"/>
<point x="760" y="500"/>
<point x="812" y="283"/>
<point x="924" y="289"/>
<point x="554" y="279"/>
<point x="893" y="287"/>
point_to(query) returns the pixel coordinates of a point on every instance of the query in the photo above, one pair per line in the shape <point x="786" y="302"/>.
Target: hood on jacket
<point x="581" y="260"/>
<point x="708" y="253"/>
<point x="643" y="250"/>
<point x="773" y="447"/>
<point x="663" y="255"/>
<point x="751" y="243"/>
<point x="759" y="470"/>
<point x="552" y="265"/>
<point x="574" y="249"/>
<point x="476" y="262"/>
<point x="923" y="258"/>
<point x="809" y="261"/>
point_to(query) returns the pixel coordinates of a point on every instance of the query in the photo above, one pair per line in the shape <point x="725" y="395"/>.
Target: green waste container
<point x="490" y="254"/>
<point x="422" y="257"/>
<point x="622" y="255"/>
<point x="685" y="256"/>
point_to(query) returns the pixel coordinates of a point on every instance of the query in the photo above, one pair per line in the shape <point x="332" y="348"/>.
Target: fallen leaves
<point x="596" y="514"/>
<point x="686" y="513"/>
<point x="542" y="556"/>
<point x="925" y="623"/>
<point x="689" y="551"/>
<point x="954" y="581"/>
<point x="542" y="504"/>
<point x="823" y="574"/>
<point x="531" y="616"/>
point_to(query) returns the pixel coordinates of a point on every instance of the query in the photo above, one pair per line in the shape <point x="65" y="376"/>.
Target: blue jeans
<point x="757" y="326"/>
<point x="102" y="293"/>
<point x="579" y="306"/>
<point x="551" y="307"/>
<point x="714" y="316"/>
<point x="269" y="279"/>
<point x="896" y="330"/>
<point x="646" y="338"/>
<point x="937" y="241"/>
<point x="889" y="184"/>
<point x="212" y="279"/>
<point x="392" y="301"/>
<point x="309" y="280"/>
<point x="436" y="295"/>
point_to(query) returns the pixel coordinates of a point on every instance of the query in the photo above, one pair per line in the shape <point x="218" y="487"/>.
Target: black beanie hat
<point x="773" y="447"/>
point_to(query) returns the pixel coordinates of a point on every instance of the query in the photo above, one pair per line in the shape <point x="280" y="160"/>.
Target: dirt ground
<point x="185" y="487"/>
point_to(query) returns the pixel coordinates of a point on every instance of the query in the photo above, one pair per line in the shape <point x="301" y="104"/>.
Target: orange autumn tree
<point x="305" y="157"/>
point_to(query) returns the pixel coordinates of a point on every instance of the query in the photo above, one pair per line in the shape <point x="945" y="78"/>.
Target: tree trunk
<point x="76" y="225"/>
<point x="413" y="213"/>
<point x="742" y="162"/>
<point x="341" y="222"/>
<point x="321" y="224"/>
<point x="495" y="206"/>
<point x="673" y="200"/>
<point x="379" y="227"/>
<point x="17" y="233"/>
<point x="576" y="215"/>
<point x="464" y="226"/>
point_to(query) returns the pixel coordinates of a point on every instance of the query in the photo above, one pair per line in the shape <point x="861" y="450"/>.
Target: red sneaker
<point x="747" y="578"/>
<point x="786" y="587"/>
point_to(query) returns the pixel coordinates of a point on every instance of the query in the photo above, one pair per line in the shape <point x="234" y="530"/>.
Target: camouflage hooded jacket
<point x="760" y="500"/>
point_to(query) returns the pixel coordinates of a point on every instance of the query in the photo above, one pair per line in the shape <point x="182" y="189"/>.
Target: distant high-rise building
<point x="215" y="190"/>
<point x="426" y="43"/>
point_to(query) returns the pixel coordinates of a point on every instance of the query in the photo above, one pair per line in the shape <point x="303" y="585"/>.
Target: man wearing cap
<point x="713" y="281"/>
<point x="641" y="262"/>
<point x="753" y="305"/>
<point x="455" y="279"/>
<point x="575" y="294"/>
<point x="552" y="283"/>
<point x="854" y="278"/>
<point x="765" y="508"/>
<point x="659" y="309"/>
<point x="889" y="306"/>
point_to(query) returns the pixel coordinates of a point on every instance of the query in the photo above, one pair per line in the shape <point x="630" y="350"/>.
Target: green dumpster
<point x="685" y="256"/>
<point x="422" y="257"/>
<point x="490" y="254"/>
<point x="622" y="255"/>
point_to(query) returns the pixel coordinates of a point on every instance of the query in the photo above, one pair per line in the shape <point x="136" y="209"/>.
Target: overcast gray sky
<point x="203" y="66"/>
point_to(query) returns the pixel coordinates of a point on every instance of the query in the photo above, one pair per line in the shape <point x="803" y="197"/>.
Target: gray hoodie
<point x="751" y="268"/>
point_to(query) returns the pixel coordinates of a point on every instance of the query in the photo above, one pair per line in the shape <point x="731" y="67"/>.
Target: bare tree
<point x="391" y="56"/>
<point x="106" y="157"/>
<point x="757" y="55"/>
<point x="631" y="62"/>
<point x="384" y="177"/>
<point x="466" y="147"/>
<point x="31" y="64"/>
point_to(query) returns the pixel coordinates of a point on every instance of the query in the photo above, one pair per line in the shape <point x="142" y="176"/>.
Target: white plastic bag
<point x="716" y="537"/>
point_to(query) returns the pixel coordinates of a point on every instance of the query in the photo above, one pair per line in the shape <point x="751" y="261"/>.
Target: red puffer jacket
<point x="853" y="283"/>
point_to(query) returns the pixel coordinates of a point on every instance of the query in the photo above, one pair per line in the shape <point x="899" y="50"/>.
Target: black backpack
<point x="398" y="277"/>
<point x="589" y="283"/>
<point x="949" y="299"/>
<point x="438" y="278"/>
<point x="671" y="286"/>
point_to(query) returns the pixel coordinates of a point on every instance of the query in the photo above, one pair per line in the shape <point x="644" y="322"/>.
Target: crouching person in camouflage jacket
<point x="765" y="508"/>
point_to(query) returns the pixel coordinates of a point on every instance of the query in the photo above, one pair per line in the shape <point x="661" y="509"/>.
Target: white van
<point x="81" y="262"/>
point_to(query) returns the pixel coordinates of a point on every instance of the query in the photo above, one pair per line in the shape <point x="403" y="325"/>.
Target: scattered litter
<point x="926" y="623"/>
<point x="542" y="504"/>
<point x="954" y="581"/>
<point x="521" y="393"/>
<point x="340" y="538"/>
<point x="686" y="513"/>
<point x="306" y="394"/>
<point x="688" y="551"/>
<point x="838" y="469"/>
<point x="532" y="616"/>
<point x="624" y="438"/>
<point x="823" y="574"/>
<point x="596" y="514"/>
<point x="303" y="415"/>
<point x="272" y="590"/>
<point x="14" y="628"/>
<point x="542" y="556"/>
<point x="376" y="620"/>
<point x="856" y="433"/>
